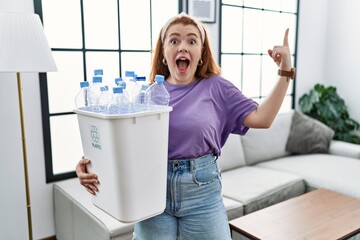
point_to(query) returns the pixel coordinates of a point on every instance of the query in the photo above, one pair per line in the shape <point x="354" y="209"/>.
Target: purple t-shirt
<point x="204" y="114"/>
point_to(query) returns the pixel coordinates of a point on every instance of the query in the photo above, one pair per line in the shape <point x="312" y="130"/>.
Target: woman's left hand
<point x="281" y="54"/>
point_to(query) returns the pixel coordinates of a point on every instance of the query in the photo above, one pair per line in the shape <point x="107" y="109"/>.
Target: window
<point x="84" y="35"/>
<point x="247" y="29"/>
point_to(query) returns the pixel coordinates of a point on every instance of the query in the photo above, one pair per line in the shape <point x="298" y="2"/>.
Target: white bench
<point x="77" y="218"/>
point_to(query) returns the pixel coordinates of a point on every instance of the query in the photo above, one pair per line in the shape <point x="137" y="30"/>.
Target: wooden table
<point x="320" y="214"/>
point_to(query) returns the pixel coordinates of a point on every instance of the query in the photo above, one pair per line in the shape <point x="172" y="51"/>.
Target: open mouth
<point x="182" y="63"/>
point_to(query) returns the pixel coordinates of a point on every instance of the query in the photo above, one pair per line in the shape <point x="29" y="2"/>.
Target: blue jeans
<point x="194" y="204"/>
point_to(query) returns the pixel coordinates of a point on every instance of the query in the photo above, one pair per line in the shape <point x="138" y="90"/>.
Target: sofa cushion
<point x="232" y="154"/>
<point x="233" y="208"/>
<point x="308" y="135"/>
<point x="266" y="144"/>
<point x="336" y="173"/>
<point x="344" y="149"/>
<point x="258" y="188"/>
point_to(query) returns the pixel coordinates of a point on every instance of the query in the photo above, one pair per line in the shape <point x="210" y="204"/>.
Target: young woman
<point x="206" y="109"/>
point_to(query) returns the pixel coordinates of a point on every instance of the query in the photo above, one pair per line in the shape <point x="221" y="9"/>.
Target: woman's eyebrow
<point x="178" y="35"/>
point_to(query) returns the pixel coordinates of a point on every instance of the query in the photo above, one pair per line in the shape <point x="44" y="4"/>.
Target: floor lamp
<point x="24" y="48"/>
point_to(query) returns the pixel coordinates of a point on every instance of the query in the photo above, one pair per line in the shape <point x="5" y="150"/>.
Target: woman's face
<point x="182" y="52"/>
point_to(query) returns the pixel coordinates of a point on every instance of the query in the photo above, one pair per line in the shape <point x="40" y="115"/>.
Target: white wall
<point x="13" y="216"/>
<point x="342" y="63"/>
<point x="311" y="45"/>
<point x="328" y="47"/>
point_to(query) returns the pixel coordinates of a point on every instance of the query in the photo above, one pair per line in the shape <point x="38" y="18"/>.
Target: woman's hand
<point x="88" y="180"/>
<point x="267" y="110"/>
<point x="281" y="54"/>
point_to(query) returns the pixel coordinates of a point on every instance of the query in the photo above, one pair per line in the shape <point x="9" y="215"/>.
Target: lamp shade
<point x="23" y="45"/>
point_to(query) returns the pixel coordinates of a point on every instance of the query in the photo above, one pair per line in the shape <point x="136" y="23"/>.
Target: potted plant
<point x="324" y="104"/>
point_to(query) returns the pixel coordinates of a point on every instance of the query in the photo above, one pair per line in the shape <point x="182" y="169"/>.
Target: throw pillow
<point x="308" y="135"/>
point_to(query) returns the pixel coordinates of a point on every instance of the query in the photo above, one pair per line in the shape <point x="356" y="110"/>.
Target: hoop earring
<point x="200" y="62"/>
<point x="164" y="61"/>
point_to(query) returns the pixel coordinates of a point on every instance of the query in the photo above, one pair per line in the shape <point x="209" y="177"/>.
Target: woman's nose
<point x="182" y="49"/>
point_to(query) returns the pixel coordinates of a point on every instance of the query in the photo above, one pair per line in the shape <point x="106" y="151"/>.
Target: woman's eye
<point x="174" y="41"/>
<point x="192" y="42"/>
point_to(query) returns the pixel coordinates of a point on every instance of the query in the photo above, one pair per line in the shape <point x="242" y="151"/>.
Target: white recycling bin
<point x="128" y="152"/>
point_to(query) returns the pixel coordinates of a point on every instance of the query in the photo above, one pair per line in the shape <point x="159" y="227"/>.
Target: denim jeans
<point x="194" y="204"/>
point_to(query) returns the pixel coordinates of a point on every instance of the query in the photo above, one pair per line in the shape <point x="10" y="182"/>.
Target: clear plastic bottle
<point x="140" y="81"/>
<point x="157" y="94"/>
<point x="130" y="83"/>
<point x="82" y="97"/>
<point x="104" y="99"/>
<point x="94" y="93"/>
<point x="120" y="82"/>
<point x="129" y="76"/>
<point x="136" y="88"/>
<point x="119" y="103"/>
<point x="139" y="93"/>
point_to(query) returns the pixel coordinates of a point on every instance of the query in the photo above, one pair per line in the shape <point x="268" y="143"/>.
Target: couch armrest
<point x="344" y="149"/>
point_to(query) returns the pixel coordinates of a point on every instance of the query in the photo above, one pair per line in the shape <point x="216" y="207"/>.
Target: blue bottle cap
<point x="104" y="88"/>
<point x="97" y="79"/>
<point x="98" y="72"/>
<point x="117" y="80"/>
<point x="129" y="73"/>
<point x="120" y="82"/>
<point x="159" y="78"/>
<point x="117" y="90"/>
<point x="84" y="84"/>
<point x="141" y="78"/>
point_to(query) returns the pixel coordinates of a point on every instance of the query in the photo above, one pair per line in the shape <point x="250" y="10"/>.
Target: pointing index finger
<point x="286" y="38"/>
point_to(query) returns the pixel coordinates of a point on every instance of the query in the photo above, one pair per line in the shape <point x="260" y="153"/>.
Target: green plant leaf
<point x="307" y="101"/>
<point x="324" y="104"/>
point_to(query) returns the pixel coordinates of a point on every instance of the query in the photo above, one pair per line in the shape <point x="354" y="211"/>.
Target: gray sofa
<point x="257" y="171"/>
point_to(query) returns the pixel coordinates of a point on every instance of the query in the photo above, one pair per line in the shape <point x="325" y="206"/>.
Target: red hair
<point x="207" y="69"/>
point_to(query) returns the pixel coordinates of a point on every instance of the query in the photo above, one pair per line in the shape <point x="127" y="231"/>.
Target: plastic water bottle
<point x="121" y="83"/>
<point x="130" y="83"/>
<point x="157" y="93"/>
<point x="139" y="93"/>
<point x="137" y="88"/>
<point x="119" y="102"/>
<point x="82" y="97"/>
<point x="94" y="93"/>
<point x="140" y="81"/>
<point x="103" y="99"/>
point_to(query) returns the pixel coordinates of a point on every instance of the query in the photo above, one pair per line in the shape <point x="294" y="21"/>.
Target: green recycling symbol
<point x="95" y="137"/>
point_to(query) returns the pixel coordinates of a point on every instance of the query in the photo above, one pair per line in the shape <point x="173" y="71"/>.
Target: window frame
<point x="44" y="94"/>
<point x="294" y="54"/>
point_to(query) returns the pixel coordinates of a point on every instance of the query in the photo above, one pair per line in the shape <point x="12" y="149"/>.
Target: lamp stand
<point x="22" y="122"/>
